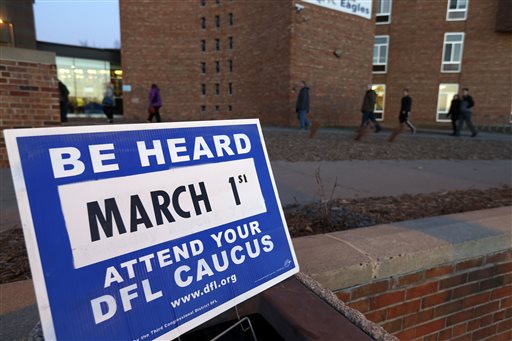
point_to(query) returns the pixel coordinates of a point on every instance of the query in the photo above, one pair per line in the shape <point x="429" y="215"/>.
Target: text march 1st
<point x="147" y="231"/>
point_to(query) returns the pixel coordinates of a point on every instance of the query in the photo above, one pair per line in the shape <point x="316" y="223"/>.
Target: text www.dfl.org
<point x="207" y="289"/>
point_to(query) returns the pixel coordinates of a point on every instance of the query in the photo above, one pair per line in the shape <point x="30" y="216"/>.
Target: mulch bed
<point x="303" y="220"/>
<point x="339" y="214"/>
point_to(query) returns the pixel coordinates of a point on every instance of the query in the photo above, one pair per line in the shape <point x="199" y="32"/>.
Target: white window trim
<point x="448" y="10"/>
<point x="383" y="103"/>
<point x="387" y="55"/>
<point x="388" y="14"/>
<point x="461" y="52"/>
<point x="437" y="106"/>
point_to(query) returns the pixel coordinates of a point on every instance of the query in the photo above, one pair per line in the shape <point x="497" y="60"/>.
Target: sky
<point x="93" y="23"/>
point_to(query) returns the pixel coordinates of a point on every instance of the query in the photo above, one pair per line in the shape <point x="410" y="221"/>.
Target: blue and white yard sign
<point x="145" y="231"/>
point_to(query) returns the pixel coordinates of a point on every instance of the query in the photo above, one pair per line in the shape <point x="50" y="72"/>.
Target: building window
<point x="203" y="23"/>
<point x="217" y="44"/>
<point x="217" y="66"/>
<point x="203" y="89"/>
<point x="230" y="43"/>
<point x="217" y="21"/>
<point x="203" y="45"/>
<point x="217" y="2"/>
<point x="383" y="15"/>
<point x="380" y="54"/>
<point x="217" y="108"/>
<point x="444" y="99"/>
<point x="230" y="65"/>
<point x="203" y="68"/>
<point x="230" y="88"/>
<point x="217" y="89"/>
<point x="202" y="3"/>
<point x="457" y="10"/>
<point x="452" y="52"/>
<point x="230" y="108"/>
<point x="230" y="19"/>
<point x="203" y="108"/>
<point x="380" y="89"/>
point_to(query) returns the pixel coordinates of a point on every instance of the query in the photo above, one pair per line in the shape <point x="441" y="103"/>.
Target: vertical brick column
<point x="29" y="95"/>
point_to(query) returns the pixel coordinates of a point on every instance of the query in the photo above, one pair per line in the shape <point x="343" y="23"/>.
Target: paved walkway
<point x="297" y="182"/>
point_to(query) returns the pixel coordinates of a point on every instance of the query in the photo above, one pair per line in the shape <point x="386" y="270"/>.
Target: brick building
<point x="436" y="48"/>
<point x="217" y="59"/>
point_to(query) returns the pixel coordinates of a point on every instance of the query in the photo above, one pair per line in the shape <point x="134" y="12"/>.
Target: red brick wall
<point x="416" y="33"/>
<point x="162" y="46"/>
<point x="29" y="98"/>
<point x="337" y="85"/>
<point x="468" y="300"/>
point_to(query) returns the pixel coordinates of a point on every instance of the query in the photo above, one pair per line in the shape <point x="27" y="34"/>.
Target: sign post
<point x="146" y="231"/>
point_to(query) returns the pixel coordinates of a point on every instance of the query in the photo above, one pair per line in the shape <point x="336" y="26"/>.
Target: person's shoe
<point x="453" y="134"/>
<point x="474" y="134"/>
<point x="413" y="130"/>
<point x="377" y="129"/>
<point x="110" y="121"/>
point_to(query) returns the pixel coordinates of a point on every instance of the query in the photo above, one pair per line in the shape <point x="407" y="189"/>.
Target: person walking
<point x="302" y="105"/>
<point x="454" y="113"/>
<point x="466" y="111"/>
<point x="403" y="117"/>
<point x="108" y="102"/>
<point x="367" y="110"/>
<point x="155" y="103"/>
<point x="63" y="101"/>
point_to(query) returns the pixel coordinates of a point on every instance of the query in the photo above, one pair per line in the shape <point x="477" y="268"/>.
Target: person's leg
<point x="470" y="125"/>
<point x="157" y="115"/>
<point x="302" y="113"/>
<point x="454" y="126"/>
<point x="461" y="124"/>
<point x="411" y="126"/>
<point x="109" y="111"/>
<point x="306" y="121"/>
<point x="63" y="112"/>
<point x="375" y="122"/>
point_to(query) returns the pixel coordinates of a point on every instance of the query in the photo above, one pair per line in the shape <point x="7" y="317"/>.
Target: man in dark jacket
<point x="370" y="97"/>
<point x="466" y="111"/>
<point x="302" y="105"/>
<point x="63" y="101"/>
<point x="454" y="112"/>
<point x="403" y="117"/>
<point x="405" y="111"/>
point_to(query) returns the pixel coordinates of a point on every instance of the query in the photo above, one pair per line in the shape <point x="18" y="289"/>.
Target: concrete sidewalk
<point x="297" y="183"/>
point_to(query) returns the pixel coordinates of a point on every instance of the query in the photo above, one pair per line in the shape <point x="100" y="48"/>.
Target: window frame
<point x="448" y="11"/>
<point x="388" y="14"/>
<point x="438" y="98"/>
<point x="203" y="68"/>
<point x="202" y="23"/>
<point x="203" y="89"/>
<point x="217" y="44"/>
<point x="230" y="65"/>
<point x="230" y="43"/>
<point x="387" y="54"/>
<point x="443" y="63"/>
<point x="375" y="111"/>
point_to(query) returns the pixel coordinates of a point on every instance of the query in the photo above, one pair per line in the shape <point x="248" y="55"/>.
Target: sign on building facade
<point x="361" y="8"/>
